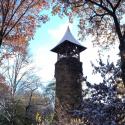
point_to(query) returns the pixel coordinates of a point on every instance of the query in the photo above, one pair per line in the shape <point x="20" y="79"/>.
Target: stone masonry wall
<point x="68" y="87"/>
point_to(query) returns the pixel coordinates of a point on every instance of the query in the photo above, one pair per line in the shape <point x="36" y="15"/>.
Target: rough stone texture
<point x="68" y="72"/>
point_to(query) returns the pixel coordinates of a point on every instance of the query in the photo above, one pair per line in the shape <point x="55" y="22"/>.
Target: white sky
<point x="47" y="37"/>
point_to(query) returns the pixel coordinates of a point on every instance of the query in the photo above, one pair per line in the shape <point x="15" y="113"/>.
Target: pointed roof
<point x="68" y="37"/>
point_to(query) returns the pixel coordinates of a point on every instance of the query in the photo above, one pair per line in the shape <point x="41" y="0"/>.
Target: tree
<point x="4" y="91"/>
<point x="100" y="18"/>
<point x="103" y="103"/>
<point x="18" y="20"/>
<point x="27" y="105"/>
<point x="38" y="107"/>
<point x="49" y="91"/>
<point x="18" y="77"/>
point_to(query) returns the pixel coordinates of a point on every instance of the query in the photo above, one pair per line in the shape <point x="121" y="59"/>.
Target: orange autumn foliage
<point x="19" y="19"/>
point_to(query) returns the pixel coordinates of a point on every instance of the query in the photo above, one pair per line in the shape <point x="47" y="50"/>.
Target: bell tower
<point x="68" y="72"/>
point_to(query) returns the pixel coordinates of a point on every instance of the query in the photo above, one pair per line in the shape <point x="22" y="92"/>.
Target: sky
<point x="47" y="37"/>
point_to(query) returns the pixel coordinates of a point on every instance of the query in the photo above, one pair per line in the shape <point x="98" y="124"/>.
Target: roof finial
<point x="68" y="29"/>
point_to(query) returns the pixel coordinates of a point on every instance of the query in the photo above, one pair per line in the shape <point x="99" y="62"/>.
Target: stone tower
<point x="68" y="71"/>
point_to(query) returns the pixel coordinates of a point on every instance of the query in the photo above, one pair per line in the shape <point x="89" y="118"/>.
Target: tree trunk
<point x="1" y="38"/>
<point x="0" y="42"/>
<point x="122" y="55"/>
<point x="121" y="38"/>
